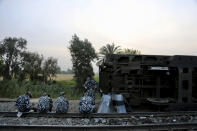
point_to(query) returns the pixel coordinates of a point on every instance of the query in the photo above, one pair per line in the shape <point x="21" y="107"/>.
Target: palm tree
<point x="108" y="49"/>
<point x="130" y="51"/>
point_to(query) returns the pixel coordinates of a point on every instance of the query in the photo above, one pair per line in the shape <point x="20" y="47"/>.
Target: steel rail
<point x="174" y="126"/>
<point x="98" y="115"/>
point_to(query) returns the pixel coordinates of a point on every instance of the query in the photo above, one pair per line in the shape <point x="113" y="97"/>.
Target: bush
<point x="66" y="83"/>
<point x="14" y="88"/>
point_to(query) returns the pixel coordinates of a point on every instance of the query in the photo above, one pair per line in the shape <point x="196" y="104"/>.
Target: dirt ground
<point x="9" y="105"/>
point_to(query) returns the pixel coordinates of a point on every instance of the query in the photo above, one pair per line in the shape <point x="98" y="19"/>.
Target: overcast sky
<point x="161" y="27"/>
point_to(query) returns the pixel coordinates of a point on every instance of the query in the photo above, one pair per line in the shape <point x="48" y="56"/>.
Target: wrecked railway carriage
<point x="170" y="80"/>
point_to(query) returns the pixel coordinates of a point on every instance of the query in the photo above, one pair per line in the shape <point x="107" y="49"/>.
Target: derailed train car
<point x="142" y="78"/>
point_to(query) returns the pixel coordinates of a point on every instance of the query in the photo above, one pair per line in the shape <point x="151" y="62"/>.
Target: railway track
<point x="148" y="127"/>
<point x="189" y="125"/>
<point x="100" y="115"/>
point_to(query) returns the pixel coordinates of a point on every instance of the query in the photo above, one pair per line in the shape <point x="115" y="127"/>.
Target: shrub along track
<point x="140" y="116"/>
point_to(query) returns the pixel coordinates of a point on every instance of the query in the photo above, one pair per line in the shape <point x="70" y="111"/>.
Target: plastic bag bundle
<point x="118" y="102"/>
<point x="105" y="104"/>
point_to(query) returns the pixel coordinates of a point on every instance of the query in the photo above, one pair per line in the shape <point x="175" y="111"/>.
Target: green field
<point x="63" y="82"/>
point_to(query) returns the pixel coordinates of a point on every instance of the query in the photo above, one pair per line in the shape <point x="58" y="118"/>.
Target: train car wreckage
<point x="170" y="80"/>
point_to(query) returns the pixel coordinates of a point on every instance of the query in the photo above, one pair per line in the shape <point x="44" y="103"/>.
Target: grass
<point x="13" y="88"/>
<point x="96" y="78"/>
<point x="66" y="83"/>
<point x="64" y="77"/>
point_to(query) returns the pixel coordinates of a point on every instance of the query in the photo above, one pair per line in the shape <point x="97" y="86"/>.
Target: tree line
<point x="68" y="71"/>
<point x="16" y="62"/>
